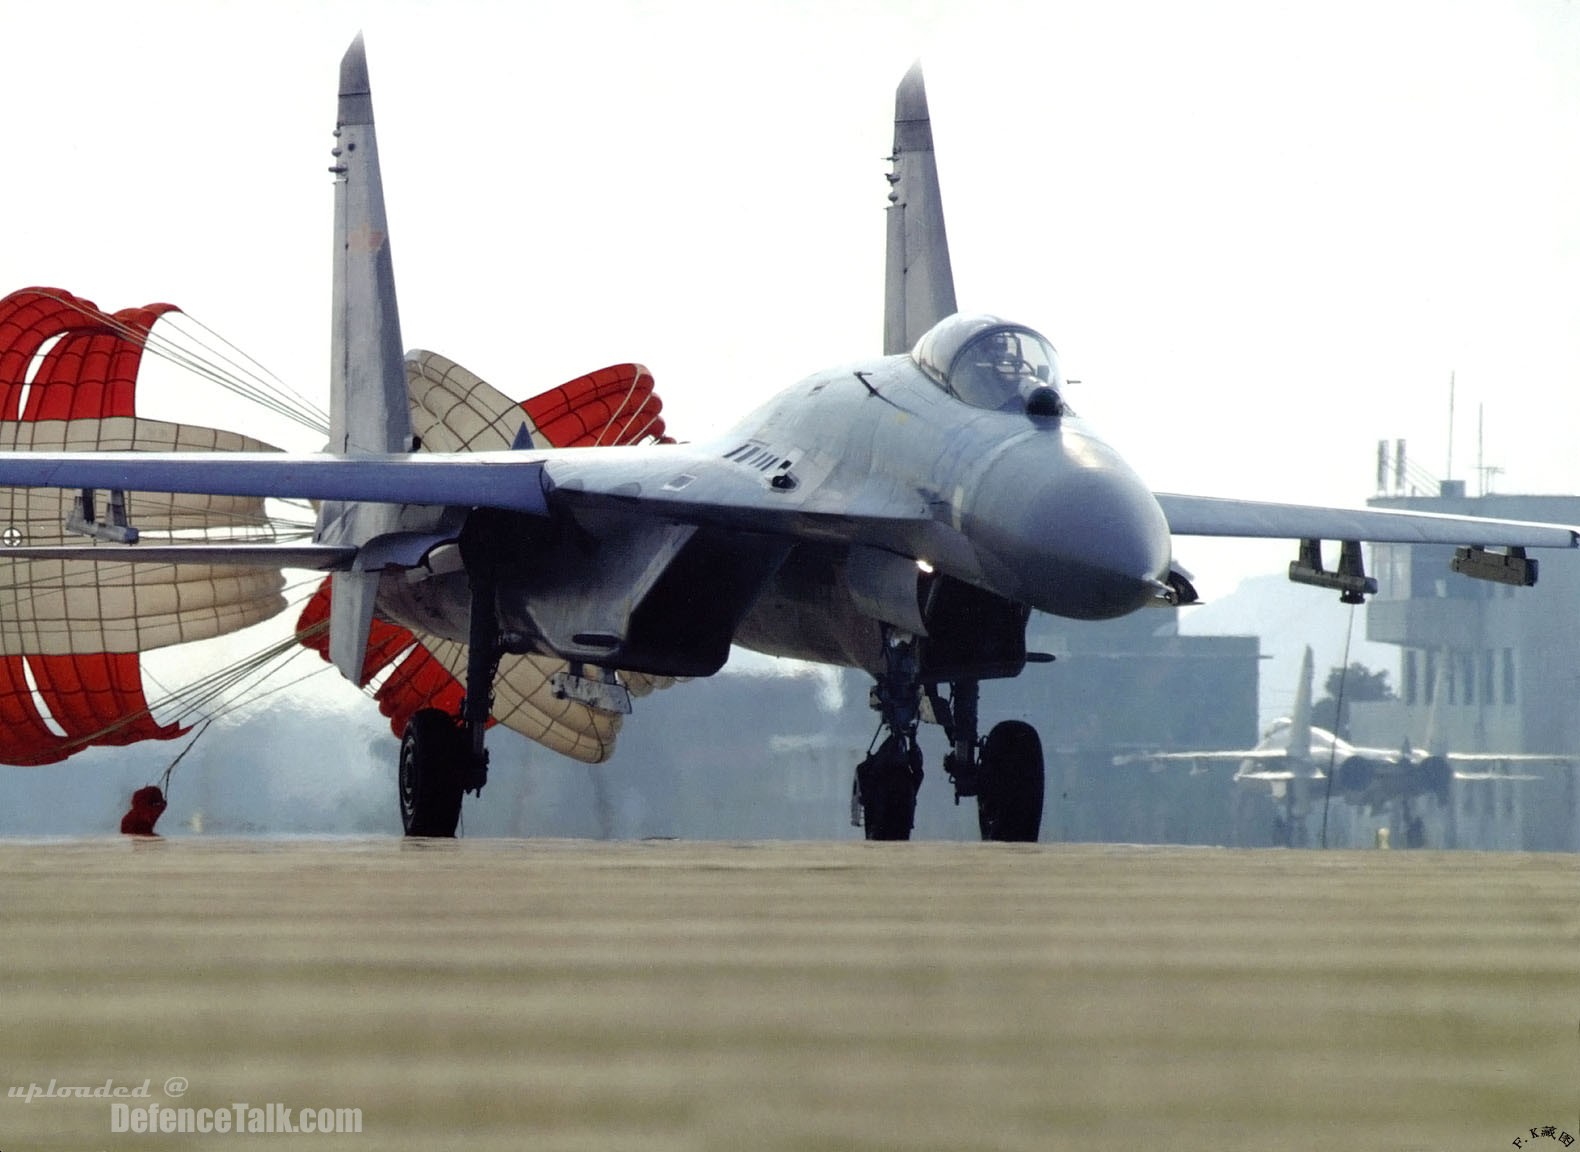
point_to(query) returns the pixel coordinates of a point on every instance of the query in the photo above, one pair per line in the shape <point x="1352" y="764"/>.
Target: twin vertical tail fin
<point x="1436" y="738"/>
<point x="919" y="286"/>
<point x="1300" y="718"/>
<point x="368" y="408"/>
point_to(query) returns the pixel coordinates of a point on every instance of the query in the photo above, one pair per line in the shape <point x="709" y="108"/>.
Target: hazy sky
<point x="1261" y="234"/>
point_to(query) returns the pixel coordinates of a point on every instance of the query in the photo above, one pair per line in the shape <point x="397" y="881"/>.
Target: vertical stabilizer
<point x="1436" y="740"/>
<point x="368" y="410"/>
<point x="368" y="407"/>
<point x="1300" y="718"/>
<point x="919" y="288"/>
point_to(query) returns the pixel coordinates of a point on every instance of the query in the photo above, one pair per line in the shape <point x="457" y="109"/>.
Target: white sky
<point x="1262" y="234"/>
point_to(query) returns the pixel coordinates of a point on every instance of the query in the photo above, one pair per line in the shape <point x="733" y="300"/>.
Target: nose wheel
<point x="886" y="785"/>
<point x="883" y="796"/>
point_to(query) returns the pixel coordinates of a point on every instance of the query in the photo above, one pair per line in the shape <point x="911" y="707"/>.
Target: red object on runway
<point x="148" y="804"/>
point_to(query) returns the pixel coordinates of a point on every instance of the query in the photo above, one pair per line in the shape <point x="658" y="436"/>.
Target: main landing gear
<point x="443" y="757"/>
<point x="434" y="775"/>
<point x="1004" y="772"/>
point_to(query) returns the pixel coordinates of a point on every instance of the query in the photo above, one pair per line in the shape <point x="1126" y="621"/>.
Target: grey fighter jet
<point x="1294" y="758"/>
<point x="902" y="515"/>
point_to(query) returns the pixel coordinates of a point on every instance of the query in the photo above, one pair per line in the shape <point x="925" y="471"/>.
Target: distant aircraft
<point x="1293" y="758"/>
<point x="902" y="515"/>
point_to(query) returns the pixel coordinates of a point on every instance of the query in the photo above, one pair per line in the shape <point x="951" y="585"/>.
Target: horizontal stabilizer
<point x="320" y="557"/>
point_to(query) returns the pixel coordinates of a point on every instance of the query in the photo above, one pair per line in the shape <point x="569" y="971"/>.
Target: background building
<point x="1494" y="668"/>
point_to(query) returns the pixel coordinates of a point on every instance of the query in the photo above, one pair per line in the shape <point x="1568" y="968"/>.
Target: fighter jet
<point x="1294" y="758"/>
<point x="902" y="515"/>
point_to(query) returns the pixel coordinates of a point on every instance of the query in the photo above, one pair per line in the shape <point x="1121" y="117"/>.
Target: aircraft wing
<point x="1211" y="516"/>
<point x="1218" y="756"/>
<point x="1510" y="758"/>
<point x="1392" y="755"/>
<point x="671" y="482"/>
<point x="695" y="486"/>
<point x="511" y="480"/>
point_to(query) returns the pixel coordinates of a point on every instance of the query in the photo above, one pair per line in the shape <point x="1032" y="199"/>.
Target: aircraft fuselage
<point x="1005" y="511"/>
<point x="1036" y="509"/>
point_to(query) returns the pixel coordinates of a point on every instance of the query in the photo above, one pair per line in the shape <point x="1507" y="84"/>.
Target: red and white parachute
<point x="71" y="632"/>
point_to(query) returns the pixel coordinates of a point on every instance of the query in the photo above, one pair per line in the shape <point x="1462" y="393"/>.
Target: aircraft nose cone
<point x="1104" y="542"/>
<point x="1075" y="533"/>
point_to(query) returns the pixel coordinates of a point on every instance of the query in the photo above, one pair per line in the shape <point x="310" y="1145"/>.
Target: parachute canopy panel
<point x="71" y="631"/>
<point x="52" y="707"/>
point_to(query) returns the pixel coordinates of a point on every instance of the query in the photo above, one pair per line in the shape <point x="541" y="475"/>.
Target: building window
<point x="1486" y="677"/>
<point x="1508" y="675"/>
<point x="1467" y="677"/>
<point x="1430" y="686"/>
<point x="1409" y="676"/>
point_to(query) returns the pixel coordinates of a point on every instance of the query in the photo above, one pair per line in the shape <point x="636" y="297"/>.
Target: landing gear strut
<point x="884" y="795"/>
<point x="442" y="758"/>
<point x="1003" y="772"/>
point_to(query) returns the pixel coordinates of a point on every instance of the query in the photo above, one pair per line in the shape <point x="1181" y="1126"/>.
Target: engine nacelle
<point x="887" y="587"/>
<point x="831" y="608"/>
<point x="1431" y="774"/>
<point x="1355" y="775"/>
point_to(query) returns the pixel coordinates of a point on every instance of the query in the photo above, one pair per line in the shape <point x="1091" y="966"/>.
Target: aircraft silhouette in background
<point x="1294" y="757"/>
<point x="903" y="515"/>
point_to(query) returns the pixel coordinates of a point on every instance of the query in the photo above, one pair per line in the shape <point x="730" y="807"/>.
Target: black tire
<point x="887" y="782"/>
<point x="1010" y="791"/>
<point x="431" y="775"/>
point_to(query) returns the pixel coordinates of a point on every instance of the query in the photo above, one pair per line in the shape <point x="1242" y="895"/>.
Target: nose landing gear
<point x="1004" y="772"/>
<point x="883" y="796"/>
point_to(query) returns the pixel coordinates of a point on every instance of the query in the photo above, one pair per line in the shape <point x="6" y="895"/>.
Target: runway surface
<point x="569" y="995"/>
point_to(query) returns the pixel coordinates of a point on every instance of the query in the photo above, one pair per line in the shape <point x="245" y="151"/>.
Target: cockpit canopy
<point x="991" y="364"/>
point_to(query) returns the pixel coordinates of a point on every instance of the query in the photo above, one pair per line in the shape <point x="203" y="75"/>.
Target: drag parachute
<point x="71" y="631"/>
